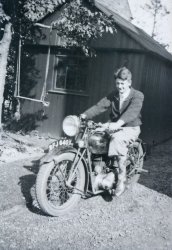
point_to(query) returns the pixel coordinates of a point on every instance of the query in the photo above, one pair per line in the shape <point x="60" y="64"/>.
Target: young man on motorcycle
<point x="125" y="119"/>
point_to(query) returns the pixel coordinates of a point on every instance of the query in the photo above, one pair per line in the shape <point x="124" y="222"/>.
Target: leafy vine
<point x="80" y="23"/>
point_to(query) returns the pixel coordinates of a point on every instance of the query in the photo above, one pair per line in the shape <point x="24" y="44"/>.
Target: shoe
<point x="120" y="189"/>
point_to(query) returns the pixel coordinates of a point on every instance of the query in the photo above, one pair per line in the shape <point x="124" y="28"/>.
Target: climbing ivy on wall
<point x="80" y="22"/>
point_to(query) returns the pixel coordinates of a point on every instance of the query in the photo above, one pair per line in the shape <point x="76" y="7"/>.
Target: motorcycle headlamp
<point x="71" y="125"/>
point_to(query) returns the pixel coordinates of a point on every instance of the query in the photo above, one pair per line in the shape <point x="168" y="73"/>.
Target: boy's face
<point x="123" y="85"/>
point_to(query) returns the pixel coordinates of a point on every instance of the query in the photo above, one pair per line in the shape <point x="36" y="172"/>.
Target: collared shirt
<point x="122" y="98"/>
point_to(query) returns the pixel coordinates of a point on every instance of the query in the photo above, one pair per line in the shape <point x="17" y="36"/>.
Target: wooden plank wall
<point x="157" y="112"/>
<point x="101" y="71"/>
<point x="47" y="120"/>
<point x="119" y="40"/>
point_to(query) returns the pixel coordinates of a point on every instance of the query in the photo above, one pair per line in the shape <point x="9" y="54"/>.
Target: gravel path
<point x="140" y="219"/>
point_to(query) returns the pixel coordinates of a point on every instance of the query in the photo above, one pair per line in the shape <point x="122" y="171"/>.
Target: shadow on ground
<point x="27" y="183"/>
<point x="159" y="177"/>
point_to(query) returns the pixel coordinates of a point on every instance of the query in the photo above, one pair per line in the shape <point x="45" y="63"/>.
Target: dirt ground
<point x="140" y="219"/>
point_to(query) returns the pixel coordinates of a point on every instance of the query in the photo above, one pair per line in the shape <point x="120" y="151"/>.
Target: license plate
<point x="60" y="143"/>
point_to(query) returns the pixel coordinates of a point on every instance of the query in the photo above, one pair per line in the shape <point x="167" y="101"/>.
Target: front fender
<point x="48" y="157"/>
<point x="57" y="151"/>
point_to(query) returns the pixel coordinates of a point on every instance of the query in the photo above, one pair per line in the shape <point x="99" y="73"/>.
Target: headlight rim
<point x="67" y="128"/>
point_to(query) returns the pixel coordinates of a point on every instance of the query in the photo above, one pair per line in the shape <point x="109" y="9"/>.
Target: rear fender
<point x="50" y="156"/>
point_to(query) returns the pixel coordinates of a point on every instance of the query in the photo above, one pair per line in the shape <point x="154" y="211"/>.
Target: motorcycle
<point x="79" y="166"/>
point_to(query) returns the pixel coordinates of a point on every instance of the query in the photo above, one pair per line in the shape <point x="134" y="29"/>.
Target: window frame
<point x="66" y="91"/>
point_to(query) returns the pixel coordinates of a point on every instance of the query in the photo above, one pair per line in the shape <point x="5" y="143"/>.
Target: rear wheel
<point x="136" y="159"/>
<point x="53" y="195"/>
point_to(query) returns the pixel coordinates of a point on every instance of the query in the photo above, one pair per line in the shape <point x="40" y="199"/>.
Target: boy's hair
<point x="123" y="73"/>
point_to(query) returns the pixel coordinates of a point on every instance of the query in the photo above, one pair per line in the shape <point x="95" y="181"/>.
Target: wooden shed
<point x="75" y="82"/>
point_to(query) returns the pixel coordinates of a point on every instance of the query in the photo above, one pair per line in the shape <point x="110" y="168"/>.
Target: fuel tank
<point x="98" y="143"/>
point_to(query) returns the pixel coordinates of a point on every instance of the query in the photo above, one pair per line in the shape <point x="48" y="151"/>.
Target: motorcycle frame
<point x="81" y="151"/>
<point x="80" y="156"/>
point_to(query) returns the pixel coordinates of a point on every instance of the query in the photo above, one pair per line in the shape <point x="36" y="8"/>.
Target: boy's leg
<point x="119" y="147"/>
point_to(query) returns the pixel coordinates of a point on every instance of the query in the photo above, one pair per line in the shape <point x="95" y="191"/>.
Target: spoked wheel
<point x="136" y="159"/>
<point x="53" y="194"/>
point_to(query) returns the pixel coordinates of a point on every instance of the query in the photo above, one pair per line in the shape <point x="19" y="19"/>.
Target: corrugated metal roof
<point x="141" y="37"/>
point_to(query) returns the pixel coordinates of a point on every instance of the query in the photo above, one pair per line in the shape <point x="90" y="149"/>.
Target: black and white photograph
<point x="85" y="125"/>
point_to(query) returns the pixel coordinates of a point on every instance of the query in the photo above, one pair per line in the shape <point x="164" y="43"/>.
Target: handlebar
<point x="93" y="125"/>
<point x="88" y="123"/>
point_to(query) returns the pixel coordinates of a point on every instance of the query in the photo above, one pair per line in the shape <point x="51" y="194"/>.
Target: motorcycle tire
<point x="139" y="160"/>
<point x="53" y="196"/>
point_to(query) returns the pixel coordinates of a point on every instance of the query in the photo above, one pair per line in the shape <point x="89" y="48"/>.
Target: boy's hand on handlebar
<point x="103" y="127"/>
<point x="109" y="126"/>
<point x="114" y="126"/>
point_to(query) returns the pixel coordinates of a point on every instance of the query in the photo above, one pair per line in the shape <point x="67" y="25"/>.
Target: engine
<point x="103" y="175"/>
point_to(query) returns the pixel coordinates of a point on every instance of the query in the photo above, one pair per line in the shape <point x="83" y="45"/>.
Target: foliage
<point x="78" y="23"/>
<point x="3" y="16"/>
<point x="34" y="10"/>
<point x="156" y="8"/>
<point x="14" y="13"/>
<point x="9" y="100"/>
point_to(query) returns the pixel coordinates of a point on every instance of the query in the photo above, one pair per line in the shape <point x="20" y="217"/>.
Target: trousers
<point x="119" y="147"/>
<point x="120" y="140"/>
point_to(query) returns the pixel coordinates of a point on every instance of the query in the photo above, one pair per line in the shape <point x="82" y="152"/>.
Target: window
<point x="70" y="73"/>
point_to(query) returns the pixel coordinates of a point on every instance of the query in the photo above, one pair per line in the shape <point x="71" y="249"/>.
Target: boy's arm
<point x="99" y="108"/>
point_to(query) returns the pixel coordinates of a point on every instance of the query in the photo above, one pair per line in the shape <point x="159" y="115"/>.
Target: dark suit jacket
<point x="129" y="112"/>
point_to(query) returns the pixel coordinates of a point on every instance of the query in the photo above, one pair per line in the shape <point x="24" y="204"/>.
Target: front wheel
<point x="54" y="197"/>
